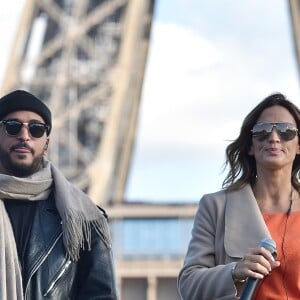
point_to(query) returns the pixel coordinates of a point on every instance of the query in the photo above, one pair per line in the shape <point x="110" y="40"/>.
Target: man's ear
<point x="46" y="145"/>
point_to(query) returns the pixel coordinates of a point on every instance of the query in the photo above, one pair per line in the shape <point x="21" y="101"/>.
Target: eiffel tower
<point x="294" y="6"/>
<point x="86" y="60"/>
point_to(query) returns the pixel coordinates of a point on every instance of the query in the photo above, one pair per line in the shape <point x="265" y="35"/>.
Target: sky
<point x="210" y="62"/>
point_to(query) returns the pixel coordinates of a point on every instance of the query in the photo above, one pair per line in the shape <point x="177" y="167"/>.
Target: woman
<point x="260" y="199"/>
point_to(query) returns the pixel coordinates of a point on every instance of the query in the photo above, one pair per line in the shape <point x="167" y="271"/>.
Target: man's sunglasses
<point x="36" y="129"/>
<point x="286" y="131"/>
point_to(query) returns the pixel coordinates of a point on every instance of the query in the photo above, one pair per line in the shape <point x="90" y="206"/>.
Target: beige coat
<point x="226" y="225"/>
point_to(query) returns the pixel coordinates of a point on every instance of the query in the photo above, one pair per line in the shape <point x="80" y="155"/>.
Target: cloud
<point x="195" y="91"/>
<point x="180" y="46"/>
<point x="171" y="88"/>
<point x="198" y="88"/>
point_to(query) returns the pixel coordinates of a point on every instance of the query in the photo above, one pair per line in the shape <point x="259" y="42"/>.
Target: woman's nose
<point x="274" y="135"/>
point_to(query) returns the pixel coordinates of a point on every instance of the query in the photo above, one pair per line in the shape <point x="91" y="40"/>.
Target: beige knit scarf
<point x="78" y="213"/>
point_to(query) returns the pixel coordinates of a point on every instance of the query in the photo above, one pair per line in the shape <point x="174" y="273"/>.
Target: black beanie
<point x="22" y="100"/>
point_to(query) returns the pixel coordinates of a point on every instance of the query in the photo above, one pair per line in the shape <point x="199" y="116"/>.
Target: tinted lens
<point x="262" y="130"/>
<point x="36" y="129"/>
<point x="13" y="127"/>
<point x="286" y="131"/>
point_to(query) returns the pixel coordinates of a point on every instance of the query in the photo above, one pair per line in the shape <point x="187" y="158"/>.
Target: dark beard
<point x="19" y="169"/>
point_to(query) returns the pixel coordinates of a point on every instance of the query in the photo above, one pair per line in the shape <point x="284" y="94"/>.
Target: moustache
<point x="21" y="145"/>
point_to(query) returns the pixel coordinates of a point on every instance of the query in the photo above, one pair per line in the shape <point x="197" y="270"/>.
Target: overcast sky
<point x="210" y="62"/>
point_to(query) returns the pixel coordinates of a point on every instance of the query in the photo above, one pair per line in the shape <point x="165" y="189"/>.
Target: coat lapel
<point x="42" y="235"/>
<point x="244" y="224"/>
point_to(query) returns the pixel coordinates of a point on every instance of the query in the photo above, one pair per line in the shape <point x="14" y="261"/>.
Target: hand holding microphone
<point x="256" y="265"/>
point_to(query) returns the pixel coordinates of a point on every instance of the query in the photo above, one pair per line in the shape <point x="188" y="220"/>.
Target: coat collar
<point x="244" y="224"/>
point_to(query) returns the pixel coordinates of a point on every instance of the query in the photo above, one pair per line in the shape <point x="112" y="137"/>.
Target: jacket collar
<point x="244" y="223"/>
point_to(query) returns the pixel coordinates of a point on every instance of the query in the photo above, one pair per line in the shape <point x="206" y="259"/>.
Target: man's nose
<point x="24" y="133"/>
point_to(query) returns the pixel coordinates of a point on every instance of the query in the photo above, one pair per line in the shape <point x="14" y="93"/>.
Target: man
<point x="54" y="242"/>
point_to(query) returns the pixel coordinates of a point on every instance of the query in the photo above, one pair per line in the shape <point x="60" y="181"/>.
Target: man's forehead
<point x="23" y="115"/>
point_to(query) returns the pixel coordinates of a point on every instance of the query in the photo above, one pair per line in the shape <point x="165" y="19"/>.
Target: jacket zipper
<point x="55" y="280"/>
<point x="43" y="258"/>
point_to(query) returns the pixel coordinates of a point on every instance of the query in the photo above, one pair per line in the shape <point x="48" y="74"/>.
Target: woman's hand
<point x="257" y="263"/>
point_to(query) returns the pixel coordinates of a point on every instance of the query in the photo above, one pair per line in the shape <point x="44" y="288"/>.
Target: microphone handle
<point x="249" y="289"/>
<point x="252" y="283"/>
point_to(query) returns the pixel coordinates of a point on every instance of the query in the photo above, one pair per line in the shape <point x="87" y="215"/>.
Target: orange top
<point x="284" y="281"/>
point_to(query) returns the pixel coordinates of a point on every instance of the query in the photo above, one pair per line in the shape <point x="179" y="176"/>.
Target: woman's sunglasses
<point x="36" y="129"/>
<point x="286" y="131"/>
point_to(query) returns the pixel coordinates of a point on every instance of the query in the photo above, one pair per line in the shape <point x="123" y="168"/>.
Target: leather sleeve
<point x="96" y="273"/>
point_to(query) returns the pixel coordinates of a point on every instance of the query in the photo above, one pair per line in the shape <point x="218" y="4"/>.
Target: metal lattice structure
<point x="86" y="60"/>
<point x="294" y="6"/>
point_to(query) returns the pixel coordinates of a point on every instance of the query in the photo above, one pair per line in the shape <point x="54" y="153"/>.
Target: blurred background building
<point x="86" y="59"/>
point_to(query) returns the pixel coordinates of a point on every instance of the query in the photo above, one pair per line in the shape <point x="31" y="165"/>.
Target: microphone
<point x="252" y="283"/>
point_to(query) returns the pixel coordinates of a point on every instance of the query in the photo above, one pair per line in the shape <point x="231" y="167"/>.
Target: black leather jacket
<point x="50" y="275"/>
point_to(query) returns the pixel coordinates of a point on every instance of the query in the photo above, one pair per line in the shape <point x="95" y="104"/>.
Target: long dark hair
<point x="242" y="165"/>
